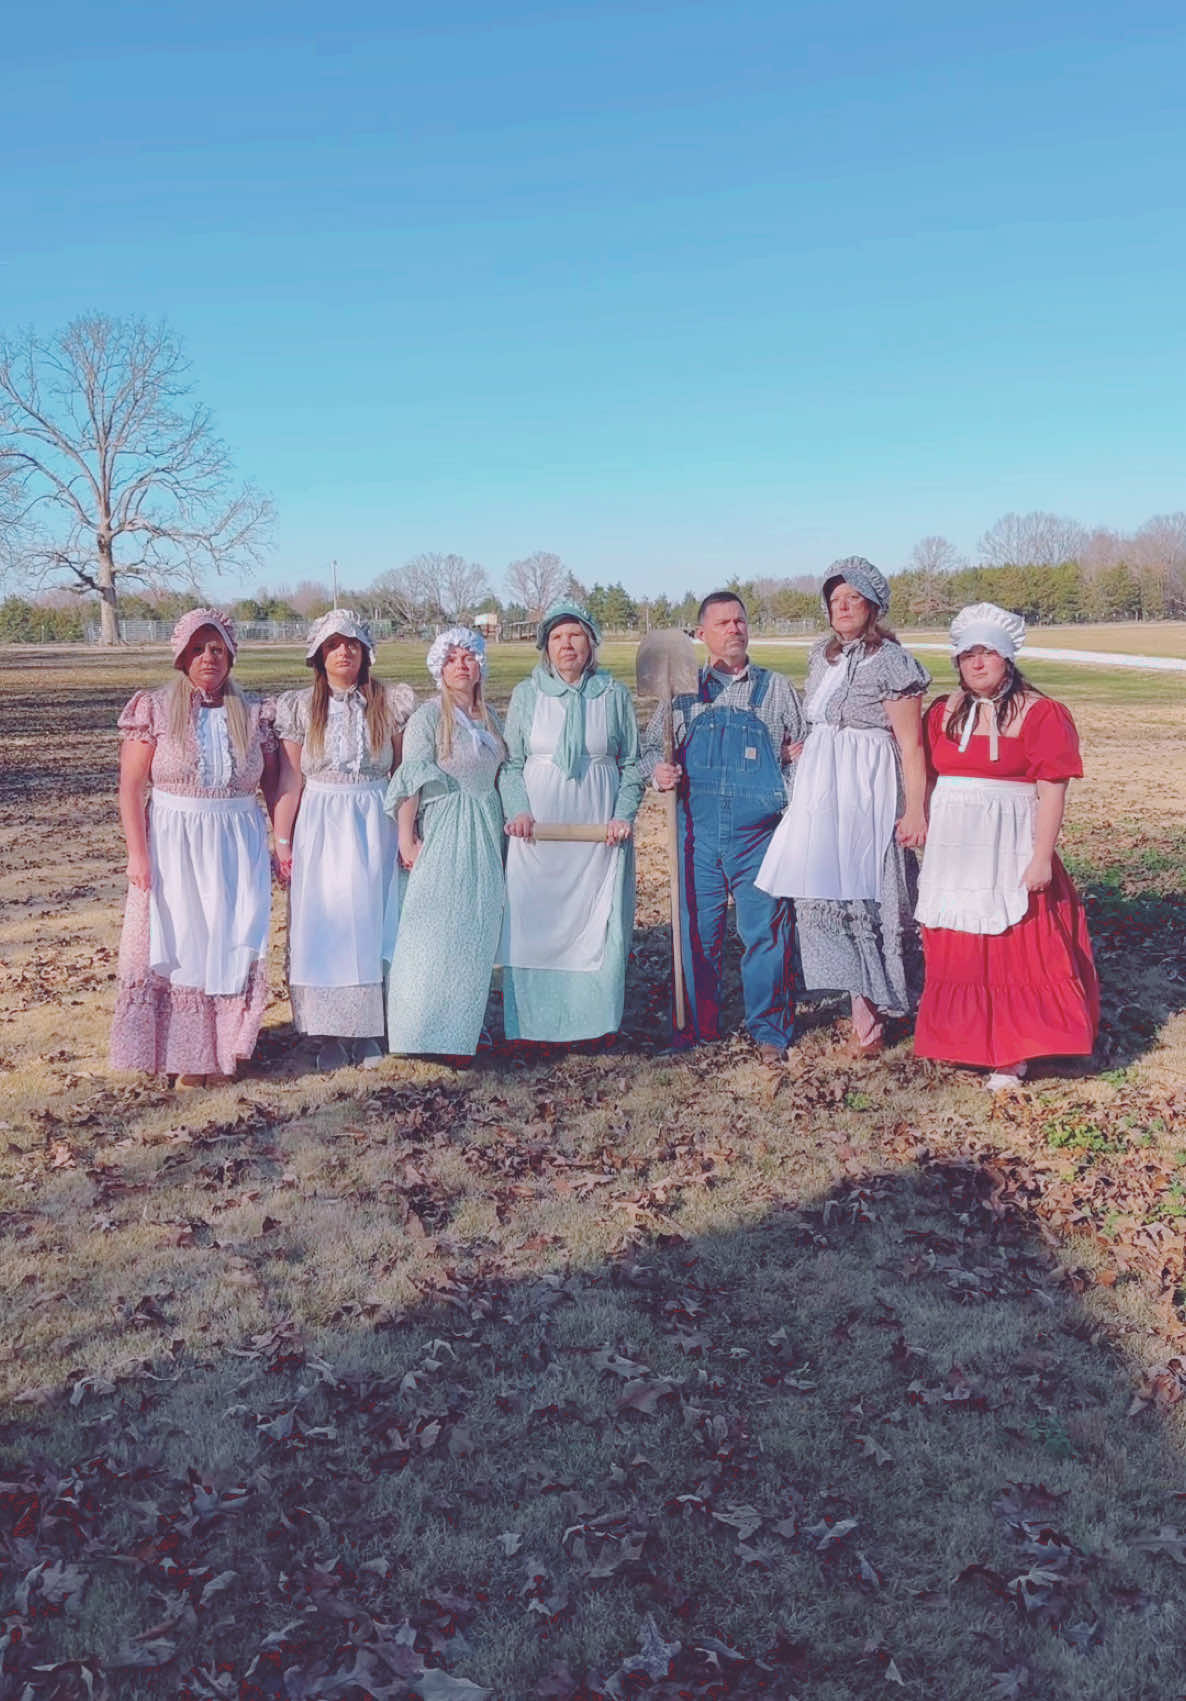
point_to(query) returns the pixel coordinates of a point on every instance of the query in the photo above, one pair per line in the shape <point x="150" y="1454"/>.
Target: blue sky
<point x="674" y="290"/>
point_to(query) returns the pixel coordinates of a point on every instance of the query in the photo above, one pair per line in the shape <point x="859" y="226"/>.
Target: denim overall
<point x="730" y="801"/>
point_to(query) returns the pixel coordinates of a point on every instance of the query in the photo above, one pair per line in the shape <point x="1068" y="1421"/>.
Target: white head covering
<point x="454" y="638"/>
<point x="985" y="623"/>
<point x="338" y="623"/>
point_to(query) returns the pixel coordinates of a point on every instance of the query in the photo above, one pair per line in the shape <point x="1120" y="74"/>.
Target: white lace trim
<point x="346" y="732"/>
<point x="216" y="767"/>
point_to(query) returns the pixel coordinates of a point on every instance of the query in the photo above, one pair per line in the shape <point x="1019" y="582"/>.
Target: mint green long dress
<point x="569" y="906"/>
<point x="451" y="920"/>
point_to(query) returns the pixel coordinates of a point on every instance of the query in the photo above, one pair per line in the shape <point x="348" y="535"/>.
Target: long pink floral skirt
<point x="205" y="919"/>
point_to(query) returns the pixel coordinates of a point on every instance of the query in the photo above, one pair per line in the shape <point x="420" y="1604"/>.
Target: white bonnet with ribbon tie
<point x="985" y="623"/>
<point x="454" y="638"/>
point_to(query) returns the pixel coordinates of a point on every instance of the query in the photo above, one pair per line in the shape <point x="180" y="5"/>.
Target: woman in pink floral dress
<point x="192" y="960"/>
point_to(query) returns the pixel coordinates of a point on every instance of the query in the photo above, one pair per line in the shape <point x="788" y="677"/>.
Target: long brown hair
<point x="379" y="719"/>
<point x="1010" y="700"/>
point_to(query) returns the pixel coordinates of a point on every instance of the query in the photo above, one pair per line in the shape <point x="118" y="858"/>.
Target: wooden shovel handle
<point x="677" y="936"/>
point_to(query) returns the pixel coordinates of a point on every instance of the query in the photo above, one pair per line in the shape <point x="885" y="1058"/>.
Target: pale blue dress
<point x="451" y="919"/>
<point x="569" y="903"/>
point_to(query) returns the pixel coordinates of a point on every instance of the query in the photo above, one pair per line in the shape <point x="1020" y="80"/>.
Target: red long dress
<point x="1031" y="991"/>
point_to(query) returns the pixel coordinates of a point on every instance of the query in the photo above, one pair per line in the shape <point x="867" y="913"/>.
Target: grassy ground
<point x="1127" y="637"/>
<point x="445" y="1384"/>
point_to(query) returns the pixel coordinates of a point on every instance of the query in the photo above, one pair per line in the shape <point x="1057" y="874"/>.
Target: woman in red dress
<point x="1009" y="971"/>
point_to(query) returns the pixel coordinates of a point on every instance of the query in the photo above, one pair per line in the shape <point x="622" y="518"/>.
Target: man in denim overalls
<point x="733" y="745"/>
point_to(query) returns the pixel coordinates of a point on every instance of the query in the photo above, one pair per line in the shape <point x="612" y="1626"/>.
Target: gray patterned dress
<point x="866" y="947"/>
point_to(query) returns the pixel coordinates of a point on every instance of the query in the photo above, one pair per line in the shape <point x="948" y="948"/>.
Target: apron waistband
<point x="182" y="804"/>
<point x="314" y="783"/>
<point x="969" y="782"/>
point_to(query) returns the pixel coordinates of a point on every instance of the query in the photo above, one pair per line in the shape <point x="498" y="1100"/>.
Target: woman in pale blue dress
<point x="572" y="756"/>
<point x="445" y="801"/>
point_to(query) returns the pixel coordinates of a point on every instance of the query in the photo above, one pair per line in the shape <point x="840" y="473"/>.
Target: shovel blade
<point x="666" y="664"/>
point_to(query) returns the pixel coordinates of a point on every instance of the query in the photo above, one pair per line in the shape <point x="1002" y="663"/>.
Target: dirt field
<point x="590" y="1373"/>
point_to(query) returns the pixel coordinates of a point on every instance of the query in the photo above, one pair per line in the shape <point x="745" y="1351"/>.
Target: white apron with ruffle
<point x="831" y="843"/>
<point x="980" y="839"/>
<point x="346" y="888"/>
<point x="559" y="896"/>
<point x="211" y="897"/>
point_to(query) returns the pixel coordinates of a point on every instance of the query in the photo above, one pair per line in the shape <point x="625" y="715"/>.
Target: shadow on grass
<point x="1139" y="939"/>
<point x="869" y="1442"/>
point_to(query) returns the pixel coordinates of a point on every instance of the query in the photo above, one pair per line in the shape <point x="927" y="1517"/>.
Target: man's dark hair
<point x="719" y="596"/>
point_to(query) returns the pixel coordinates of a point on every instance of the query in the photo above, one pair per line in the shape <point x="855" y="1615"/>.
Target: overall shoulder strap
<point x="761" y="677"/>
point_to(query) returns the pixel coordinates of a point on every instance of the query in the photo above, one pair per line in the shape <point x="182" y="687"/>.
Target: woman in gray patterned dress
<point x="858" y="807"/>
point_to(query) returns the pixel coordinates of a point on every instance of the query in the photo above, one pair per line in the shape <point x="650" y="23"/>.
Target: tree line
<point x="115" y="487"/>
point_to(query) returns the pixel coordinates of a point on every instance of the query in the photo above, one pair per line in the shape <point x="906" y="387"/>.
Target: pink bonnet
<point x="193" y="620"/>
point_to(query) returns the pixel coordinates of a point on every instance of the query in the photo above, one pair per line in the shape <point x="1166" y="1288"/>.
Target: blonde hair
<point x="379" y="718"/>
<point x="181" y="708"/>
<point x="482" y="715"/>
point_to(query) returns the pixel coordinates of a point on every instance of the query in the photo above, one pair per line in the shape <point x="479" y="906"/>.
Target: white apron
<point x="345" y="886"/>
<point x="211" y="897"/>
<point x="832" y="840"/>
<point x="979" y="843"/>
<point x="559" y="896"/>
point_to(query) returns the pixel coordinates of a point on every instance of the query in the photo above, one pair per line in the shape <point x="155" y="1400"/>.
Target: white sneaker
<point x="1002" y="1079"/>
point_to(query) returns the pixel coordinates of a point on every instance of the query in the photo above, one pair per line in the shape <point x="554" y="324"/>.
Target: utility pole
<point x="333" y="567"/>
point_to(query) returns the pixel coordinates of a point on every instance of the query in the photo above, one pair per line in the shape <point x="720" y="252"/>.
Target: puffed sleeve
<point x="139" y="718"/>
<point x="418" y="774"/>
<point x="267" y="726"/>
<point x="630" y="778"/>
<point x="932" y="732"/>
<point x="512" y="787"/>
<point x="401" y="700"/>
<point x="1051" y="742"/>
<point x="292" y="723"/>
<point x="899" y="673"/>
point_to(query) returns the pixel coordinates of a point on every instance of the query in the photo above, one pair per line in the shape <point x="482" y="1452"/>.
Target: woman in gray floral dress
<point x="858" y="807"/>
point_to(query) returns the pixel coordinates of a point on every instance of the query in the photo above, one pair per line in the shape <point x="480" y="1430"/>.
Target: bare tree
<point x="310" y="597"/>
<point x="1102" y="548"/>
<point x="390" y="598"/>
<point x="933" y="555"/>
<point x="1036" y="539"/>
<point x="536" y="581"/>
<point x="432" y="588"/>
<point x="123" y="475"/>
<point x="1161" y="542"/>
<point x="463" y="585"/>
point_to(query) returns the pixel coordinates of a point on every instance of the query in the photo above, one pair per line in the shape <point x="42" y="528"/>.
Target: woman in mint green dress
<point x="572" y="756"/>
<point x="445" y="801"/>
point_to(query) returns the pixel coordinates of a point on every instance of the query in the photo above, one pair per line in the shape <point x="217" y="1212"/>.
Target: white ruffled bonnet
<point x="338" y="623"/>
<point x="985" y="623"/>
<point x="454" y="638"/>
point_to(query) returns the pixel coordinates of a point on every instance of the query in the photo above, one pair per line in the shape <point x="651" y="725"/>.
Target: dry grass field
<point x="1123" y="637"/>
<point x="590" y="1373"/>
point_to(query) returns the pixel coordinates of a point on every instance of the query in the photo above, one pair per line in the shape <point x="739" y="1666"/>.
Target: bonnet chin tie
<point x="994" y="746"/>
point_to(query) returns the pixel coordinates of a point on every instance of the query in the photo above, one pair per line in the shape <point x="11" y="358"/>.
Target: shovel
<point x="666" y="667"/>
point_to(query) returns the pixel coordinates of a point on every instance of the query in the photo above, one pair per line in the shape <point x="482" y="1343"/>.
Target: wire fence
<point x="294" y="631"/>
